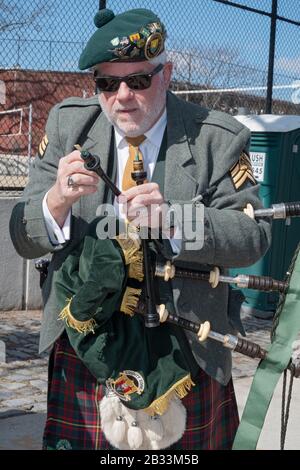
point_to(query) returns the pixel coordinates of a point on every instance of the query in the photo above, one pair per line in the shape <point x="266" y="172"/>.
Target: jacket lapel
<point x="180" y="183"/>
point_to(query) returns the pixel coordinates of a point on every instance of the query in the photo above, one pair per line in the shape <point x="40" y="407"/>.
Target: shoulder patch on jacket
<point x="242" y="171"/>
<point x="42" y="147"/>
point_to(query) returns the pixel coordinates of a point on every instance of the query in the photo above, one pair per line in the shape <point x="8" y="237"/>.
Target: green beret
<point x="132" y="36"/>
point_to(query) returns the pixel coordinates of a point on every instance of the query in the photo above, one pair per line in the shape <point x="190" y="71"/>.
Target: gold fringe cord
<point x="130" y="300"/>
<point x="133" y="257"/>
<point x="180" y="389"/>
<point x="128" y="247"/>
<point x="80" y="326"/>
<point x="135" y="269"/>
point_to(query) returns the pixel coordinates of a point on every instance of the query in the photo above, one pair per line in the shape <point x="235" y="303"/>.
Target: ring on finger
<point x="70" y="182"/>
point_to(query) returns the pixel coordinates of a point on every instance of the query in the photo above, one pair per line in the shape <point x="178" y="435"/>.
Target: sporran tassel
<point x="155" y="431"/>
<point x="119" y="429"/>
<point x="135" y="436"/>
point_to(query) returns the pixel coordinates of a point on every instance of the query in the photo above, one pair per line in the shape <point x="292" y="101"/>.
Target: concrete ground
<point x="23" y="382"/>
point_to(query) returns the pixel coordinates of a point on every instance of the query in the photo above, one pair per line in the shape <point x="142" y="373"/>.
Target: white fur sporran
<point x="127" y="429"/>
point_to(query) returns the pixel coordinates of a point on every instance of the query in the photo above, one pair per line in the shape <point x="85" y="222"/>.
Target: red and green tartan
<point x="73" y="420"/>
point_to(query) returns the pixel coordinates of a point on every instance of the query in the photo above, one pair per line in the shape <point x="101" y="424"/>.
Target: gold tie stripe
<point x="134" y="154"/>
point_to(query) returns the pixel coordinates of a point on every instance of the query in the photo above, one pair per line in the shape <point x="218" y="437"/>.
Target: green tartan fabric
<point x="73" y="421"/>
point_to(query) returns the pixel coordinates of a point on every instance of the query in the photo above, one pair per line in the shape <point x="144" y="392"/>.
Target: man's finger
<point x="77" y="167"/>
<point x="79" y="179"/>
<point x="72" y="157"/>
<point x="146" y="200"/>
<point x="146" y="188"/>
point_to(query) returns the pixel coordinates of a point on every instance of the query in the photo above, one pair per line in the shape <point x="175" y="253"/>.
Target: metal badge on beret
<point x="134" y="37"/>
<point x="42" y="147"/>
<point x="153" y="46"/>
<point x="122" y="52"/>
<point x="115" y="41"/>
<point x="124" y="42"/>
<point x="144" y="44"/>
<point x="126" y="384"/>
<point x="242" y="171"/>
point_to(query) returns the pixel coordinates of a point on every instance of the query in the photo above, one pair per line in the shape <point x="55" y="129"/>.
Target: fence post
<point x="271" y="58"/>
<point x="102" y="4"/>
<point x="29" y="135"/>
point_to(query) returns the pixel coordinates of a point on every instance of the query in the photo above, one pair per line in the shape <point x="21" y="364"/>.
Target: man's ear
<point x="168" y="68"/>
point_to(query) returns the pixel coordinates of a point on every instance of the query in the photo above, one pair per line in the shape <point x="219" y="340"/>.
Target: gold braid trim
<point x="128" y="247"/>
<point x="130" y="300"/>
<point x="180" y="389"/>
<point x="133" y="257"/>
<point x="80" y="326"/>
<point x="135" y="269"/>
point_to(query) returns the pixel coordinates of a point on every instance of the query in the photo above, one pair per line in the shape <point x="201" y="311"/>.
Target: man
<point x="189" y="152"/>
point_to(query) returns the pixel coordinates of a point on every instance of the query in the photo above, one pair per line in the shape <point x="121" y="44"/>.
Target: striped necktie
<point x="134" y="154"/>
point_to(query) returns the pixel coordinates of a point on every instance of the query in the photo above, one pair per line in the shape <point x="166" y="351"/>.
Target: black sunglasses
<point x="138" y="81"/>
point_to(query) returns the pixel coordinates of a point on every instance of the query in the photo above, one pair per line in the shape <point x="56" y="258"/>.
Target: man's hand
<point x="61" y="197"/>
<point x="144" y="206"/>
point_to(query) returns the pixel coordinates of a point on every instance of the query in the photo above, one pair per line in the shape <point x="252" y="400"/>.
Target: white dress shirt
<point x="150" y="150"/>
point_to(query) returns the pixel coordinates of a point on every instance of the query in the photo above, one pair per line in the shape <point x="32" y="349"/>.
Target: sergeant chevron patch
<point x="242" y="171"/>
<point x="43" y="146"/>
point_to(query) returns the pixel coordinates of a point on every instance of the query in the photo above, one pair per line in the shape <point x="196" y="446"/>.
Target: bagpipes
<point x="155" y="315"/>
<point x="289" y="301"/>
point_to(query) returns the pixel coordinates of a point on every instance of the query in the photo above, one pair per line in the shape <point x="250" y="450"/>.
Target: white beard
<point x="150" y="116"/>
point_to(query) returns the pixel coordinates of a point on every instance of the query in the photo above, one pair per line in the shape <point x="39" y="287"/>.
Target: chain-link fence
<point x="227" y="55"/>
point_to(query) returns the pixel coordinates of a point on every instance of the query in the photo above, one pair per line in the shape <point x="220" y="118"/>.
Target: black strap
<point x="109" y="197"/>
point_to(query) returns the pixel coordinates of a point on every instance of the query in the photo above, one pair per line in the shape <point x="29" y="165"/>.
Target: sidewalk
<point x="23" y="385"/>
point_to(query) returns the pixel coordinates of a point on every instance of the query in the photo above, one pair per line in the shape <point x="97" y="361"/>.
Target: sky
<point x="59" y="33"/>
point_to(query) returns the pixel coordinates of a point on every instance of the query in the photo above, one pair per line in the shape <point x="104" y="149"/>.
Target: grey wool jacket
<point x="202" y="148"/>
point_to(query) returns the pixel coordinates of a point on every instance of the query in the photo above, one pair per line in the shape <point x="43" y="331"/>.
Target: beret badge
<point x="145" y="44"/>
<point x="154" y="45"/>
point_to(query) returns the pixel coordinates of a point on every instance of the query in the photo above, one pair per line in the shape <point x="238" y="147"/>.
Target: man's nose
<point x="124" y="92"/>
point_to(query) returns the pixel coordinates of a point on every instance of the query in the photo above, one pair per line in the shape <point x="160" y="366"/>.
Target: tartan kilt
<point x="73" y="419"/>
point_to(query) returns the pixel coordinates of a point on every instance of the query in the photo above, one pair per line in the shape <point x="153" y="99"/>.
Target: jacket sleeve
<point x="27" y="227"/>
<point x="227" y="237"/>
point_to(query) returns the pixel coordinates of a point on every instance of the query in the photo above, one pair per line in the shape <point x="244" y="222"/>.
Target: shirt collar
<point x="154" y="135"/>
